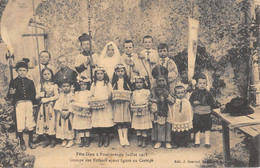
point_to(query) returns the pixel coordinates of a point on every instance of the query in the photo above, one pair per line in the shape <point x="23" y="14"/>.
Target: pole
<point x="90" y="37"/>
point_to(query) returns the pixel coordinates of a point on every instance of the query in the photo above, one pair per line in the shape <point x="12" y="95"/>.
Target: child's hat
<point x="159" y="71"/>
<point x="84" y="37"/>
<point x="23" y="63"/>
<point x="119" y="66"/>
<point x="200" y="76"/>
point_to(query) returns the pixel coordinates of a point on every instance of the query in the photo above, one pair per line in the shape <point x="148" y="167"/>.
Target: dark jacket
<point x="204" y="97"/>
<point x="25" y="90"/>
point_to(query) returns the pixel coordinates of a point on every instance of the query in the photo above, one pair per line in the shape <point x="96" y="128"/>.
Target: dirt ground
<point x="132" y="156"/>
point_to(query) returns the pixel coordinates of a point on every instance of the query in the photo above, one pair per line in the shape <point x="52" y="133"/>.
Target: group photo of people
<point x="112" y="91"/>
<point x="143" y="83"/>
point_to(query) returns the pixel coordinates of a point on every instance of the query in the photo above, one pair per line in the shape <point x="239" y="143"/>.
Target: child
<point x="148" y="58"/>
<point x="65" y="73"/>
<point x="181" y="118"/>
<point x="161" y="99"/>
<point x="85" y="61"/>
<point x="46" y="120"/>
<point x="122" y="116"/>
<point x="169" y="64"/>
<point x="63" y="109"/>
<point x="45" y="58"/>
<point x="130" y="59"/>
<point x="22" y="91"/>
<point x="142" y="120"/>
<point x="202" y="102"/>
<point x="109" y="58"/>
<point x="102" y="118"/>
<point x="82" y="118"/>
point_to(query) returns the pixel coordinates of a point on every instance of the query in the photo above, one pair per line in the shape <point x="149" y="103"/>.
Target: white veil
<point x="109" y="62"/>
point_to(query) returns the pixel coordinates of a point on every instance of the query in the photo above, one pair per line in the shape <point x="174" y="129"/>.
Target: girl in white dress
<point x="82" y="114"/>
<point x="142" y="120"/>
<point x="109" y="58"/>
<point x="102" y="117"/>
<point x="122" y="117"/>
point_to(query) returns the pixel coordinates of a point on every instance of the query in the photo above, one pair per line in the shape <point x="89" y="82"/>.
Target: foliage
<point x="239" y="158"/>
<point x="2" y="7"/>
<point x="10" y="153"/>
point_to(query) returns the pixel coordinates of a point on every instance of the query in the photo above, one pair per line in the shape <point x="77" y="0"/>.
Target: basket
<point x="121" y="95"/>
<point x="81" y="110"/>
<point x="140" y="110"/>
<point x="98" y="103"/>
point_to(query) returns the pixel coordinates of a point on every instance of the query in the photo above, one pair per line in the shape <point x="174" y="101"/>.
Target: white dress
<point x="141" y="122"/>
<point x="102" y="117"/>
<point x="81" y="122"/>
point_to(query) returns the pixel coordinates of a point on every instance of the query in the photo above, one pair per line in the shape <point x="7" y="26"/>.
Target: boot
<point x="38" y="139"/>
<point x="82" y="142"/>
<point x="53" y="141"/>
<point x="87" y="140"/>
<point x="106" y="144"/>
<point x="139" y="140"/>
<point x="22" y="143"/>
<point x="46" y="141"/>
<point x="30" y="142"/>
<point x="100" y="140"/>
<point x="144" y="142"/>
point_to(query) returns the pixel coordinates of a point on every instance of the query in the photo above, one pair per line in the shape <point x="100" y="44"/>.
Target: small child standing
<point x="203" y="103"/>
<point x="160" y="100"/>
<point x="102" y="117"/>
<point x="181" y="118"/>
<point x="22" y="91"/>
<point x="63" y="109"/>
<point x="82" y="113"/>
<point x="46" y="120"/>
<point x="122" y="116"/>
<point x="142" y="120"/>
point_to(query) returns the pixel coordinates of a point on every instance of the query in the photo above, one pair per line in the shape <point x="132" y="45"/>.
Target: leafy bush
<point x="10" y="153"/>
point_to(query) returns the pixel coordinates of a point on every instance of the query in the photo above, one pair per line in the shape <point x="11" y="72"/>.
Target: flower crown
<point x="119" y="66"/>
<point x="99" y="69"/>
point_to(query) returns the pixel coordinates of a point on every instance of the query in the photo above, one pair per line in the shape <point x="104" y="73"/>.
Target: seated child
<point x="203" y="102"/>
<point x="63" y="109"/>
<point x="181" y="118"/>
<point x="161" y="99"/>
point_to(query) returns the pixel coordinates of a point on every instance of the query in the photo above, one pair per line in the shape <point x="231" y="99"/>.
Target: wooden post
<point x="226" y="143"/>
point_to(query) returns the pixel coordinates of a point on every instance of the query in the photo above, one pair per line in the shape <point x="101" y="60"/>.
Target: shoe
<point x="100" y="141"/>
<point x="53" y="141"/>
<point x="87" y="140"/>
<point x="30" y="141"/>
<point x="82" y="142"/>
<point x="22" y="145"/>
<point x="64" y="143"/>
<point x="139" y="141"/>
<point x="45" y="143"/>
<point x="38" y="139"/>
<point x="196" y="145"/>
<point x="106" y="144"/>
<point x="207" y="145"/>
<point x="188" y="145"/>
<point x="144" y="142"/>
<point x="157" y="145"/>
<point x="70" y="144"/>
<point x="168" y="146"/>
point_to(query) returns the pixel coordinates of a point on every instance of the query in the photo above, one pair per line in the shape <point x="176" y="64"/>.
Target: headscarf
<point x="109" y="62"/>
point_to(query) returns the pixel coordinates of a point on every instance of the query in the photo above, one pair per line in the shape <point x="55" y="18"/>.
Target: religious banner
<point x="192" y="46"/>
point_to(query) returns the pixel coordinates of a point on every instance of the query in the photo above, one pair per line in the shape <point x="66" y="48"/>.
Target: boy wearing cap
<point x="22" y="91"/>
<point x="160" y="100"/>
<point x="169" y="64"/>
<point x="85" y="61"/>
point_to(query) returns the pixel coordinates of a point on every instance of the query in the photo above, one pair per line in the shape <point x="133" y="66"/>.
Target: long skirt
<point x="102" y="117"/>
<point x="64" y="127"/>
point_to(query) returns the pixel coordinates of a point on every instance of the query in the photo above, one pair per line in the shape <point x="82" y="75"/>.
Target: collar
<point x="129" y="55"/>
<point x="19" y="77"/>
<point x="85" y="53"/>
